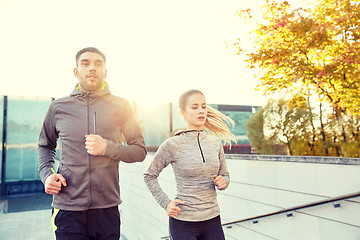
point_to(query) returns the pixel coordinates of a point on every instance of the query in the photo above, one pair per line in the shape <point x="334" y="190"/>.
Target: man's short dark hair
<point x="89" y="49"/>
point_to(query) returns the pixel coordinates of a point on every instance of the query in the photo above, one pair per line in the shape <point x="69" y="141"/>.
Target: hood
<point x="77" y="93"/>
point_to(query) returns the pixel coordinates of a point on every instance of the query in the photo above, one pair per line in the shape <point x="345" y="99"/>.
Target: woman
<point x="198" y="160"/>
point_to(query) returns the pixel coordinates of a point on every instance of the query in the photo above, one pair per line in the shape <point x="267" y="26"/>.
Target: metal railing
<point x="289" y="211"/>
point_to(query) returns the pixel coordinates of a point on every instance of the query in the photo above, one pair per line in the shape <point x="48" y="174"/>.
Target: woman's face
<point x="195" y="112"/>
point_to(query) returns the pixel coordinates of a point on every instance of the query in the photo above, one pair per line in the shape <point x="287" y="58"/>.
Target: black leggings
<point x="204" y="230"/>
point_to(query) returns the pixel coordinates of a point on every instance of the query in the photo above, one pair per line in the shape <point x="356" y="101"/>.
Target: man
<point x="90" y="124"/>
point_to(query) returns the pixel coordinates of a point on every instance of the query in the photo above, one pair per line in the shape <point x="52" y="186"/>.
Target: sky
<point x="155" y="49"/>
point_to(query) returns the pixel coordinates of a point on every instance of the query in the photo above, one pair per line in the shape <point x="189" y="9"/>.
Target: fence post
<point x="3" y="159"/>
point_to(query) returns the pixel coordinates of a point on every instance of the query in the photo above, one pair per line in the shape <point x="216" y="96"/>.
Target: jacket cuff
<point x="227" y="180"/>
<point x="46" y="175"/>
<point x="112" y="149"/>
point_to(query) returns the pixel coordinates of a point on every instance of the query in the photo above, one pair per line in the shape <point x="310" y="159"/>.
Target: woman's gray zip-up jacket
<point x="196" y="156"/>
<point x="92" y="181"/>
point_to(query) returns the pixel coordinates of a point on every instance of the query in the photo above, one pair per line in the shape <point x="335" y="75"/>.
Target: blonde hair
<point x="216" y="122"/>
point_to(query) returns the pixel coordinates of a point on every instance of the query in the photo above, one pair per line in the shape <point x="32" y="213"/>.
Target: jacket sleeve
<point x="47" y="145"/>
<point x="162" y="159"/>
<point x="223" y="170"/>
<point x="135" y="149"/>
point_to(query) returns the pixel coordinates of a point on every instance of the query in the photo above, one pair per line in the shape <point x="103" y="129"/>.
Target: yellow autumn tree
<point x="312" y="55"/>
<point x="308" y="51"/>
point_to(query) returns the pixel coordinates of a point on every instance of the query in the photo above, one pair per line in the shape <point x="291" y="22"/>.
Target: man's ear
<point x="105" y="75"/>
<point x="75" y="72"/>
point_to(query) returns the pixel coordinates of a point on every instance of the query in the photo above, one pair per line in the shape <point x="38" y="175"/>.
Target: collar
<point x="104" y="91"/>
<point x="102" y="88"/>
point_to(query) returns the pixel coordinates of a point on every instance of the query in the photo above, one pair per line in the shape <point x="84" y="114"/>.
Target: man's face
<point x="90" y="71"/>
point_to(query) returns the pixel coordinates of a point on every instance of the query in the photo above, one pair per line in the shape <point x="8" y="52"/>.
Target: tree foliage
<point x="279" y="129"/>
<point x="308" y="52"/>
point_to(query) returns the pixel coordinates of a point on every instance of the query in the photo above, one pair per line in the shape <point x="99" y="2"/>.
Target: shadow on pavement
<point x="28" y="202"/>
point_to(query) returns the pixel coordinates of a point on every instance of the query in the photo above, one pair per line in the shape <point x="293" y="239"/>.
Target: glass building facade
<point x="23" y="118"/>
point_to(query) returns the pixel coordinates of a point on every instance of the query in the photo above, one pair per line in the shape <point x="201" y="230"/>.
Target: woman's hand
<point x="220" y="182"/>
<point x="172" y="209"/>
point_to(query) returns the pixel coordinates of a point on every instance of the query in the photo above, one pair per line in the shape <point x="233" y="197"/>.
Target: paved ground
<point x="28" y="218"/>
<point x="29" y="225"/>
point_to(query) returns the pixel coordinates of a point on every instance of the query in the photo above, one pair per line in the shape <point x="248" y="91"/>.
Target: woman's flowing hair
<point x="216" y="122"/>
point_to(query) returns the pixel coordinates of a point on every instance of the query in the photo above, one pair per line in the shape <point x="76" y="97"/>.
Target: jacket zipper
<point x="198" y="140"/>
<point x="88" y="155"/>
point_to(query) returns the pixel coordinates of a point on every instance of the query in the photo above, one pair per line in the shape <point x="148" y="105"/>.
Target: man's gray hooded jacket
<point x="92" y="181"/>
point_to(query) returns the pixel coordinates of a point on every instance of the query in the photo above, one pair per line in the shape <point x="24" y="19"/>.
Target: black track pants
<point x="93" y="224"/>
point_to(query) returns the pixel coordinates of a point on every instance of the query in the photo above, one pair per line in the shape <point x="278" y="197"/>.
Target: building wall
<point x="24" y="120"/>
<point x="156" y="123"/>
<point x="259" y="185"/>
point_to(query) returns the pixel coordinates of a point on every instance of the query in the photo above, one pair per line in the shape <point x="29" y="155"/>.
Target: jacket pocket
<point x="65" y="172"/>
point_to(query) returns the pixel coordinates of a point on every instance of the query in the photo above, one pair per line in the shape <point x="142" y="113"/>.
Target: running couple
<point x="85" y="187"/>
